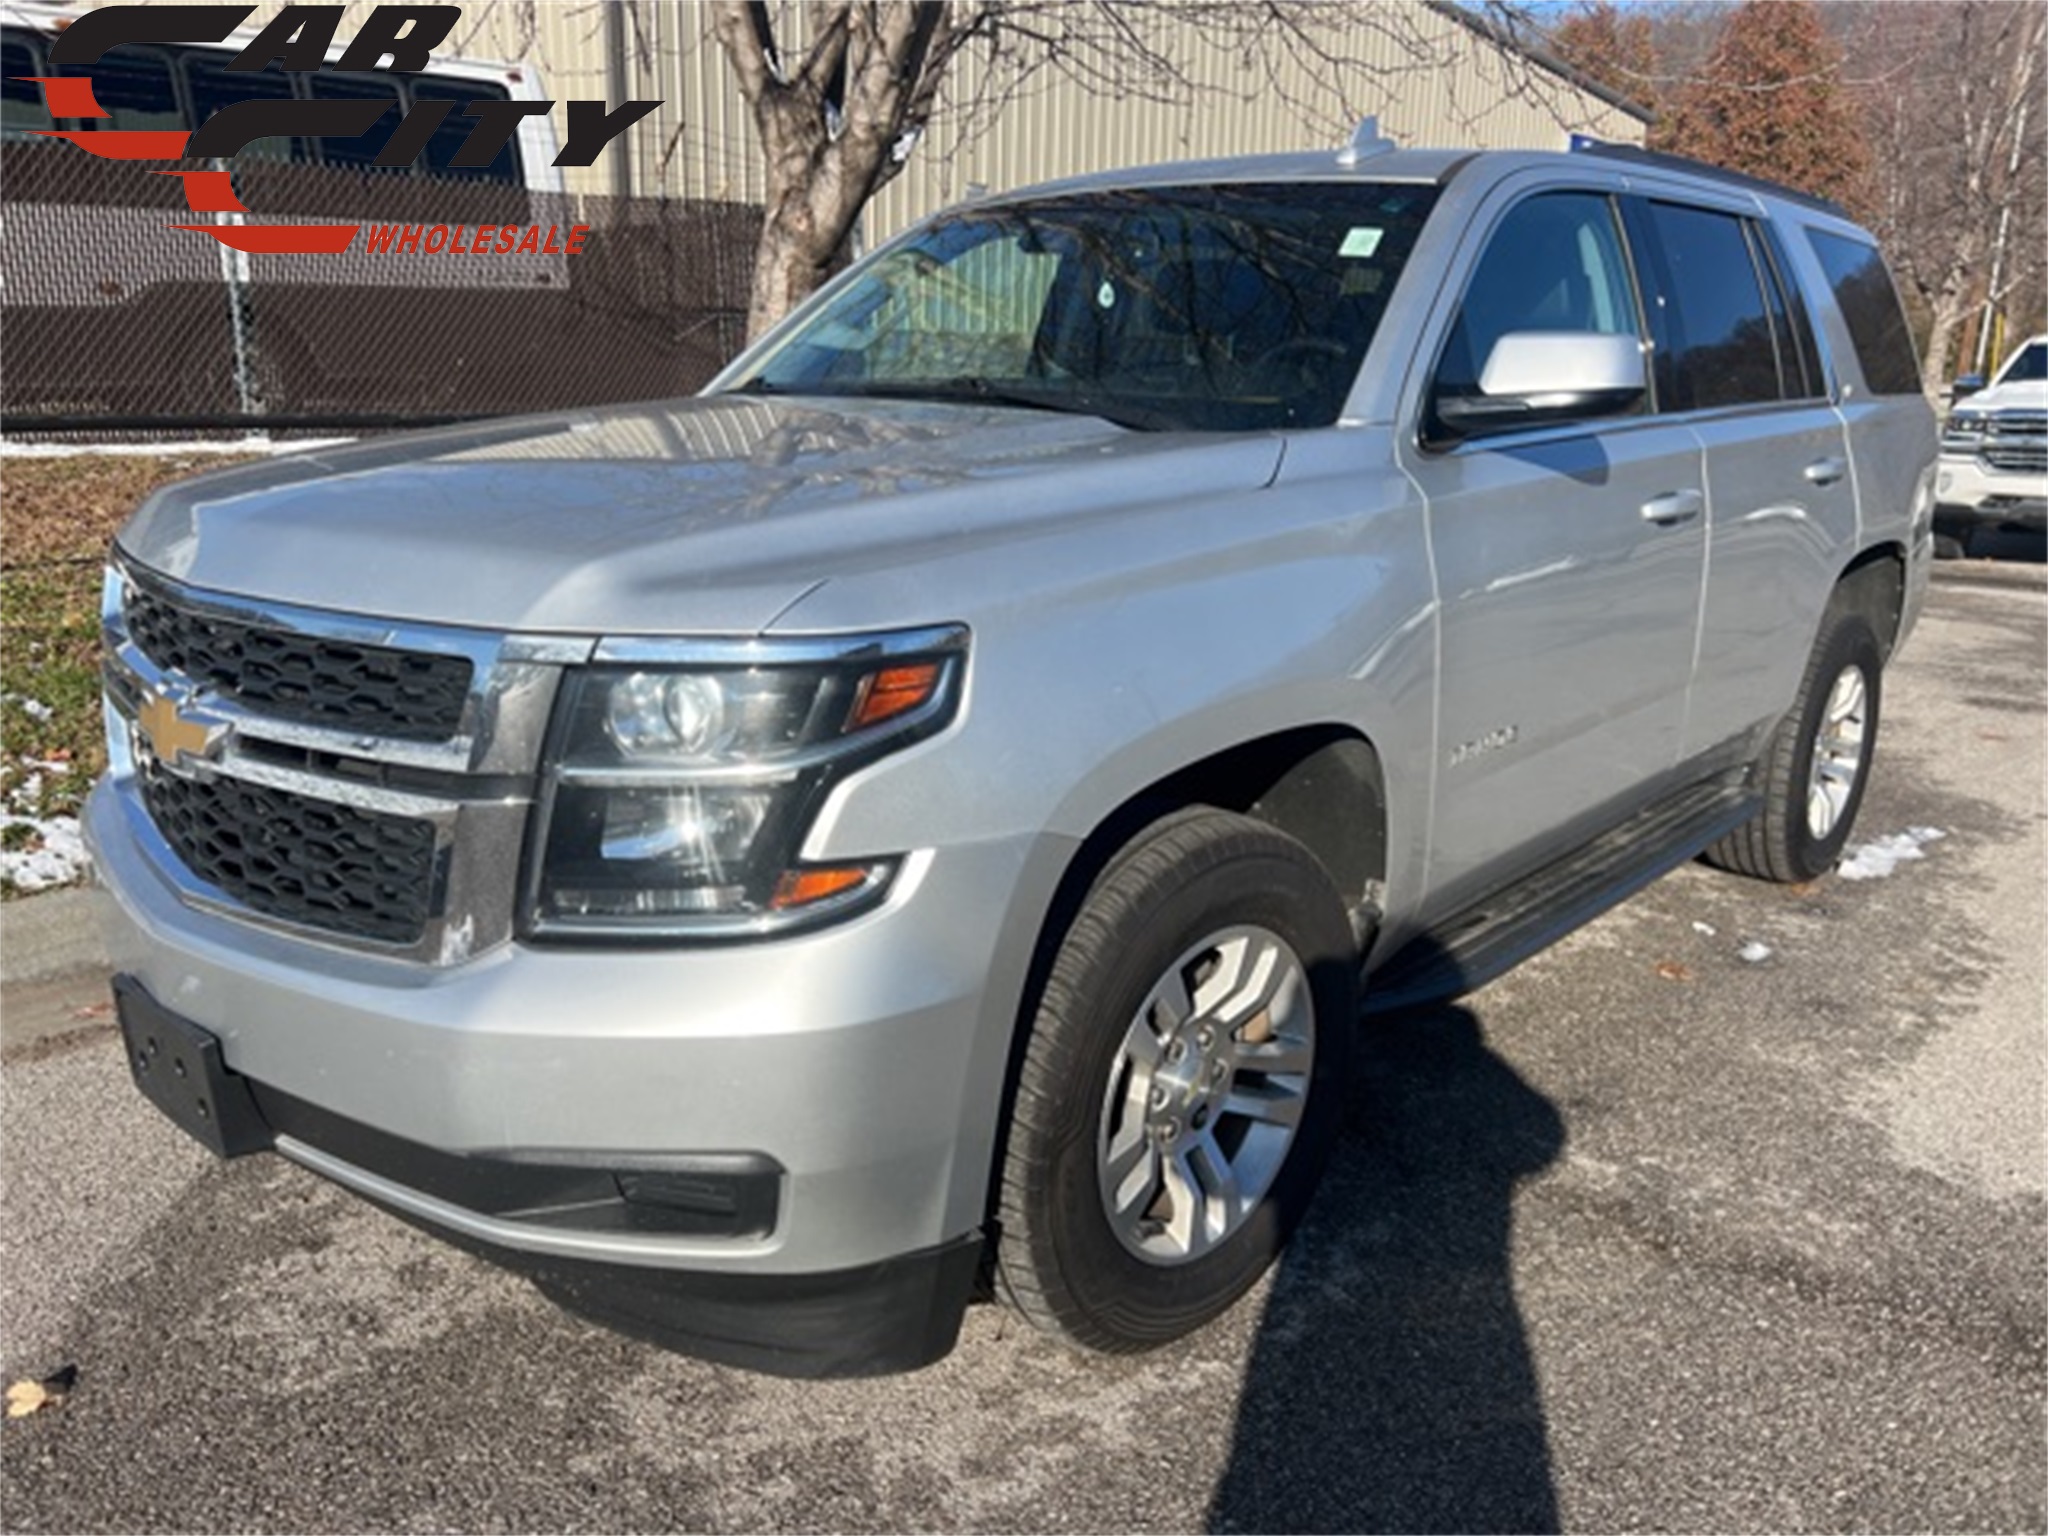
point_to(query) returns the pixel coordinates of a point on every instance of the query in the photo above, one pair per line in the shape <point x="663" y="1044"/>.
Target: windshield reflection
<point x="1214" y="309"/>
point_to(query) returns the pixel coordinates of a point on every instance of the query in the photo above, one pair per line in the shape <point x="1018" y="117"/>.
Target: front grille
<point x="410" y="695"/>
<point x="313" y="862"/>
<point x="2017" y="441"/>
<point x="2019" y="458"/>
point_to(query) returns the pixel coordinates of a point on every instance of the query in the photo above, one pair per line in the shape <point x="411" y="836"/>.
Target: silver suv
<point x="922" y="813"/>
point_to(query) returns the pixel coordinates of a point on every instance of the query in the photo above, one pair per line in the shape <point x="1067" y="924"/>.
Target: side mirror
<point x="1968" y="385"/>
<point x="1534" y="378"/>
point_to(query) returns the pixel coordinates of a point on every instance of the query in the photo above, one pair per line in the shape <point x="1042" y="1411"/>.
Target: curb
<point x="2011" y="575"/>
<point x="50" y="935"/>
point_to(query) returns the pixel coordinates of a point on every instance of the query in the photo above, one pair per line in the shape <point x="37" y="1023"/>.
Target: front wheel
<point x="1181" y="1084"/>
<point x="1817" y="766"/>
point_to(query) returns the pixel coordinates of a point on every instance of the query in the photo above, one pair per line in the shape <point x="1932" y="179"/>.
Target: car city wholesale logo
<point x="297" y="40"/>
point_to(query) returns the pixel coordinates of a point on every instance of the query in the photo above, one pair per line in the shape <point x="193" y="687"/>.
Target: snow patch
<point x="55" y="856"/>
<point x="258" y="443"/>
<point x="1876" y="860"/>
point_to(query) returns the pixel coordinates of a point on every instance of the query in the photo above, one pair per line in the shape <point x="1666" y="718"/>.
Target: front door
<point x="1568" y="563"/>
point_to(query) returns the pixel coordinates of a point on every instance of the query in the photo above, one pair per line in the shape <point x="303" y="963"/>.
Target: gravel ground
<point x="1645" y="1235"/>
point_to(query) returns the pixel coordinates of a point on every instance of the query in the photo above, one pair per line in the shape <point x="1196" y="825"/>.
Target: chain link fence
<point x="115" y="322"/>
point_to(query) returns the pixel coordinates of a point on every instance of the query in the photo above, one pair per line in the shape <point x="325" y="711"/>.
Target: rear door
<point x="1738" y="362"/>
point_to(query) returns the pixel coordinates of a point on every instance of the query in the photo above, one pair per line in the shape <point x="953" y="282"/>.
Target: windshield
<point x="2030" y="362"/>
<point x="1216" y="309"/>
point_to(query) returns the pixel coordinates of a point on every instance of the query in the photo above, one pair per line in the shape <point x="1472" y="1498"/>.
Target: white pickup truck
<point x="1994" y="454"/>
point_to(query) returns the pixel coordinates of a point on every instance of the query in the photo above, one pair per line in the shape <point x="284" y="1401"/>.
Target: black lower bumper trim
<point x="898" y="1314"/>
<point x="2016" y="516"/>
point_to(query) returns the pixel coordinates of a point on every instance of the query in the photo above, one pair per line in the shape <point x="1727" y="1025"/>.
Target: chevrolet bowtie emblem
<point x="176" y="734"/>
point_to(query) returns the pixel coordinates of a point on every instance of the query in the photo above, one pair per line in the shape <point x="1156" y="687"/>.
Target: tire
<point x="1949" y="546"/>
<point x="1121" y="1103"/>
<point x="1807" y="814"/>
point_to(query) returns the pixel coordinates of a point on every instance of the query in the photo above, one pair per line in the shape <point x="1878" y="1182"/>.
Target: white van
<point x="112" y="312"/>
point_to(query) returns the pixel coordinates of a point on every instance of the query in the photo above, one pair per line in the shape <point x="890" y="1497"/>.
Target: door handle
<point x="1673" y="508"/>
<point x="1826" y="471"/>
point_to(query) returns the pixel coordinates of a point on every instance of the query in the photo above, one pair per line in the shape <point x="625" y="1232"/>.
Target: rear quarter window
<point x="1871" y="310"/>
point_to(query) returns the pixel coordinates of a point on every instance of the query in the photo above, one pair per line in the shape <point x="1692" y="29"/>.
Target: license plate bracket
<point x="179" y="1068"/>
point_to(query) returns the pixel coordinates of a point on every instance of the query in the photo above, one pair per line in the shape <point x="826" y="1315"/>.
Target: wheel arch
<point x="1873" y="587"/>
<point x="1300" y="780"/>
<point x="1323" y="785"/>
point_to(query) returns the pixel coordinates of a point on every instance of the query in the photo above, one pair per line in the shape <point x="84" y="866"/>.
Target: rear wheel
<point x="1818" y="764"/>
<point x="1181" y="1085"/>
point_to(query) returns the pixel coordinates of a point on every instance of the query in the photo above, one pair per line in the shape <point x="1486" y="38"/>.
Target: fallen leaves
<point x="1671" y="970"/>
<point x="27" y="1397"/>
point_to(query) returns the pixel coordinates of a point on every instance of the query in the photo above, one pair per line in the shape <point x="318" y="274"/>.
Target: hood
<point x="2020" y="395"/>
<point x="700" y="516"/>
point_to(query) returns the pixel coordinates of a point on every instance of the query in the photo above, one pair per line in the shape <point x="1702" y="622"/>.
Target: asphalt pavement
<point x="1727" y="1213"/>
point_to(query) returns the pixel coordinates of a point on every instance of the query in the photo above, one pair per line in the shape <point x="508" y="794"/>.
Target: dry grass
<point x="57" y="517"/>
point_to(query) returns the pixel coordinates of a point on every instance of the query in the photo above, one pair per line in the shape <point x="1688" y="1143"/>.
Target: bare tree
<point x="841" y="90"/>
<point x="1957" y="118"/>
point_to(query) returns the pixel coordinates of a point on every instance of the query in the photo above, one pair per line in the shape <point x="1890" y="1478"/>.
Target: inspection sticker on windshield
<point x="1362" y="241"/>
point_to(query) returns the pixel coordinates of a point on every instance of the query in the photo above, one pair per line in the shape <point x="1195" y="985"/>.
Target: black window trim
<point x="1781" y="340"/>
<point x="1817" y="377"/>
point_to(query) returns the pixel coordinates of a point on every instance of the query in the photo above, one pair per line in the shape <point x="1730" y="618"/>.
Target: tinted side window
<point x="1719" y="347"/>
<point x="210" y="86"/>
<point x="21" y="100"/>
<point x="134" y="85"/>
<point x="1556" y="263"/>
<point x="1870" y="307"/>
<point x="357" y="152"/>
<point x="2029" y="364"/>
<point x="453" y="133"/>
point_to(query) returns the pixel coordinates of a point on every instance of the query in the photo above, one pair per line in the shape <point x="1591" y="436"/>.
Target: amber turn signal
<point x="891" y="692"/>
<point x="802" y="887"/>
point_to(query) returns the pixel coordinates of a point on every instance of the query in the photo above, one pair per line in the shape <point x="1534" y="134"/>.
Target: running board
<point x="1491" y="938"/>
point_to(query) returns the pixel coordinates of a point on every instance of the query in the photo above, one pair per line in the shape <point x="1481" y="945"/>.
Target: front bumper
<point x="1970" y="493"/>
<point x="861" y="1066"/>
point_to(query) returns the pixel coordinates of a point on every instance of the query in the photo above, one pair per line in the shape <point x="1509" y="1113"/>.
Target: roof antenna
<point x="1366" y="142"/>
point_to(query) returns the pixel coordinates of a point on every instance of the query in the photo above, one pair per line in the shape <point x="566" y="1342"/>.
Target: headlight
<point x="1963" y="433"/>
<point x="680" y="780"/>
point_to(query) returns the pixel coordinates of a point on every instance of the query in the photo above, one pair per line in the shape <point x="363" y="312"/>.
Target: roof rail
<point x="1655" y="160"/>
